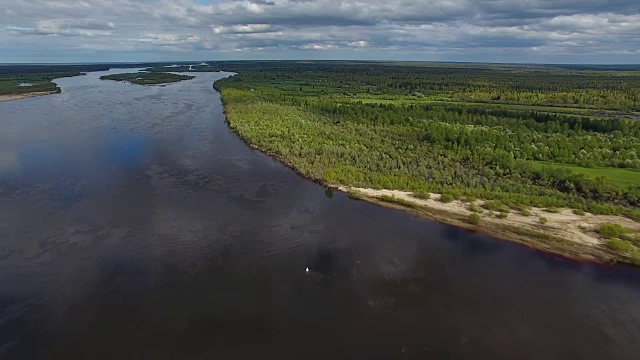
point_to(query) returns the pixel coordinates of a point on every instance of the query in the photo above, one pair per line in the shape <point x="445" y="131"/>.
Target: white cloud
<point x="433" y="27"/>
<point x="168" y="39"/>
<point x="358" y="44"/>
<point x="243" y="29"/>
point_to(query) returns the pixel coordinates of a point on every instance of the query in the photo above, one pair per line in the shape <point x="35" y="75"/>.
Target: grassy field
<point x="621" y="177"/>
<point x="591" y="113"/>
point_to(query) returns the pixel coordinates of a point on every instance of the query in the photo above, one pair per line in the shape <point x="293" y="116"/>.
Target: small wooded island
<point x="147" y="78"/>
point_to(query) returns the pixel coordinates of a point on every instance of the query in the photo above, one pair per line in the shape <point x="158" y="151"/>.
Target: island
<point x="543" y="155"/>
<point x="147" y="78"/>
<point x="24" y="81"/>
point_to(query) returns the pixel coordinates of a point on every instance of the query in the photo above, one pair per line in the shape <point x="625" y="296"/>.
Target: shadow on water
<point x="134" y="224"/>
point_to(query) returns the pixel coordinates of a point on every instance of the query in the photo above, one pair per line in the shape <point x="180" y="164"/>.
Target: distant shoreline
<point x="11" y="97"/>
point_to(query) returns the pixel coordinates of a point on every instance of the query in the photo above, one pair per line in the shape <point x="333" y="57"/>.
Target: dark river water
<point x="135" y="225"/>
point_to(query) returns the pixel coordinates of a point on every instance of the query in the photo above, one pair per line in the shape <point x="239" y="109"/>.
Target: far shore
<point x="10" y="97"/>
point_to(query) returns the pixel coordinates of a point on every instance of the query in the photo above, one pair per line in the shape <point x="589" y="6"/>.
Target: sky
<point x="517" y="31"/>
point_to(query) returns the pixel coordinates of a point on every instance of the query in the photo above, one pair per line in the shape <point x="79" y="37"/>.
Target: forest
<point x="545" y="136"/>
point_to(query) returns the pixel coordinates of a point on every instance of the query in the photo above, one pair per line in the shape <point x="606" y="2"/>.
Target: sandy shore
<point x="563" y="233"/>
<point x="24" y="96"/>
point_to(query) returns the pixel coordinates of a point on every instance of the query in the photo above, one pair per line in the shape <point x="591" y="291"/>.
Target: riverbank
<point x="563" y="233"/>
<point x="11" y="97"/>
<point x="557" y="231"/>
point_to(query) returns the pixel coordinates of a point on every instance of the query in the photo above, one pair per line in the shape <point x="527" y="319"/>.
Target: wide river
<point x="135" y="225"/>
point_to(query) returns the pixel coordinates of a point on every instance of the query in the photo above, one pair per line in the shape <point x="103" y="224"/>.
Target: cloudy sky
<point x="552" y="31"/>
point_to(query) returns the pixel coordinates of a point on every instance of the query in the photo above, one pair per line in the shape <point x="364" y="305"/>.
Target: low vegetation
<point x="621" y="240"/>
<point x="474" y="207"/>
<point x="524" y="210"/>
<point x="609" y="231"/>
<point x="474" y="218"/>
<point x="446" y="198"/>
<point x="399" y="201"/>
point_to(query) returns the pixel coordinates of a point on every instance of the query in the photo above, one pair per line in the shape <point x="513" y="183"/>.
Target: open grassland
<point x="583" y="112"/>
<point x="620" y="177"/>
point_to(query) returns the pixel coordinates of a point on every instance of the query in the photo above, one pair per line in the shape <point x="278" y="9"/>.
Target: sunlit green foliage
<point x="474" y="219"/>
<point x="305" y="113"/>
<point x="474" y="207"/>
<point x="612" y="230"/>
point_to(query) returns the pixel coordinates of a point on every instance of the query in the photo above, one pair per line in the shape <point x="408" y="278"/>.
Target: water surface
<point x="135" y="225"/>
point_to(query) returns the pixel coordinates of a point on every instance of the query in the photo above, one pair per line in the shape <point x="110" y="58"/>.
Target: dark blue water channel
<point x="135" y="225"/>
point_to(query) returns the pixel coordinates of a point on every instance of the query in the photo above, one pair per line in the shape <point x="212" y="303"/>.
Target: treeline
<point x="617" y="90"/>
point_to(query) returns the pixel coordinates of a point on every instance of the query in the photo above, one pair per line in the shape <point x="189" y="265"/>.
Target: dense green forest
<point x="467" y="130"/>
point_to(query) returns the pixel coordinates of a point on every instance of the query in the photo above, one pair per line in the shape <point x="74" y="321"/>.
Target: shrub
<point x="422" y="195"/>
<point x="552" y="210"/>
<point x="525" y="211"/>
<point x="474" y="219"/>
<point x="502" y="215"/>
<point x="504" y="209"/>
<point x="455" y="194"/>
<point x="491" y="205"/>
<point x="578" y="212"/>
<point x="543" y="220"/>
<point x="634" y="215"/>
<point x="609" y="231"/>
<point x="399" y="201"/>
<point x="633" y="237"/>
<point x="474" y="207"/>
<point x="446" y="198"/>
<point x="621" y="246"/>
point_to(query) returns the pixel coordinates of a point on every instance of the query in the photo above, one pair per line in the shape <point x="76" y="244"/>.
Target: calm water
<point x="135" y="225"/>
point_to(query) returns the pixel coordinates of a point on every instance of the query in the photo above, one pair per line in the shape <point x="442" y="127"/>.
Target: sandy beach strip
<point x="11" y="97"/>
